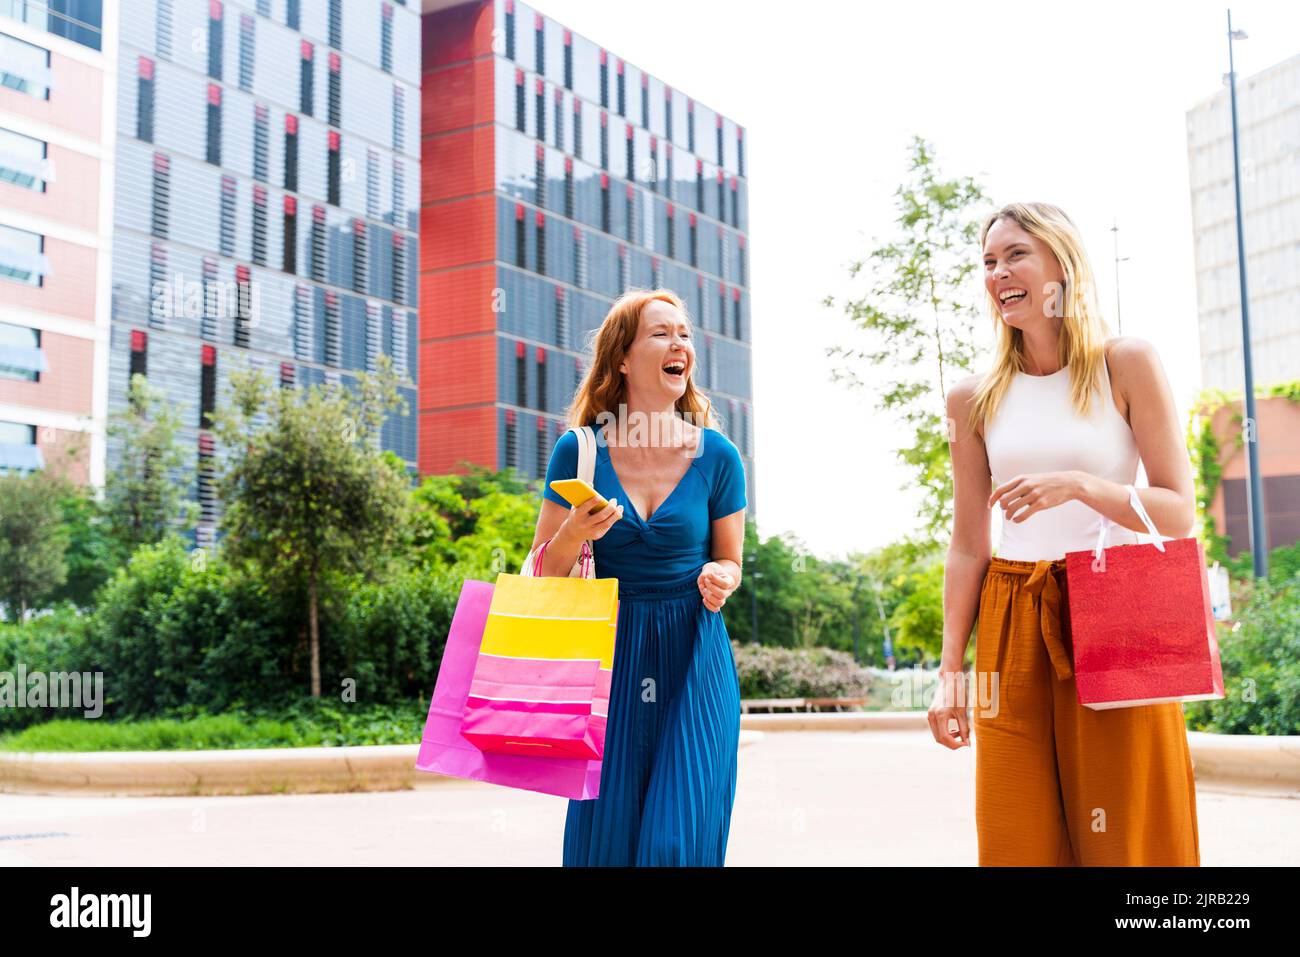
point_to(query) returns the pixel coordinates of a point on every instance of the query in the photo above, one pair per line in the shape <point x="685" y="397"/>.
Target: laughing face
<point x="661" y="357"/>
<point x="1021" y="273"/>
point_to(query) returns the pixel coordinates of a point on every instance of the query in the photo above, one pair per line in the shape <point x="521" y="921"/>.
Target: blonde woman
<point x="1055" y="430"/>
<point x="672" y="534"/>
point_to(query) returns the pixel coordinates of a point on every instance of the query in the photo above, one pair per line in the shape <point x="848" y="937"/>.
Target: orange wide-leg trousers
<point x="1058" y="784"/>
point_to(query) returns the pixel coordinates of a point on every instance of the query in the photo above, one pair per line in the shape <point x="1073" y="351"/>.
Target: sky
<point x="1080" y="105"/>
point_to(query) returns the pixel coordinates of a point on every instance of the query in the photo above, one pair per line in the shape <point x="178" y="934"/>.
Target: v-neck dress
<point x="668" y="779"/>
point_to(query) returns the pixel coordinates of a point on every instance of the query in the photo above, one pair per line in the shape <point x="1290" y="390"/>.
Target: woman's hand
<point x="579" y="526"/>
<point x="1027" y="494"/>
<point x="716" y="585"/>
<point x="949" y="704"/>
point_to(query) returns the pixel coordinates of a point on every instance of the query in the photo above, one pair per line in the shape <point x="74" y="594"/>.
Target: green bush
<point x="1261" y="668"/>
<point x="770" y="672"/>
<point x="52" y="642"/>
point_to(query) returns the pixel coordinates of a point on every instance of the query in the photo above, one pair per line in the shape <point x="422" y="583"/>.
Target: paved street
<point x="804" y="798"/>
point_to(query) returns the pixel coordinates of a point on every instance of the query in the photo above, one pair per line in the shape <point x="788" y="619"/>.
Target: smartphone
<point x="576" y="491"/>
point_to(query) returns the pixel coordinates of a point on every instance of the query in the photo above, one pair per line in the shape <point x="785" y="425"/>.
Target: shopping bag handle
<point x="584" y="566"/>
<point x="1099" y="552"/>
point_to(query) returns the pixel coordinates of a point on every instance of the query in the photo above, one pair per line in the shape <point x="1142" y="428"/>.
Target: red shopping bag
<point x="1141" y="621"/>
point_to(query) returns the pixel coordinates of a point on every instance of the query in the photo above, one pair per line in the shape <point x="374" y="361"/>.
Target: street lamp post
<point x="1255" y="484"/>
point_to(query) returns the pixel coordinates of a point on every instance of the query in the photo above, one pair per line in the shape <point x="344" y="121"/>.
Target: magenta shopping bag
<point x="444" y="751"/>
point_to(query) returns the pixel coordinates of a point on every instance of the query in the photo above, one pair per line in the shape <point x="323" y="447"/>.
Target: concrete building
<point x="57" y="96"/>
<point x="556" y="175"/>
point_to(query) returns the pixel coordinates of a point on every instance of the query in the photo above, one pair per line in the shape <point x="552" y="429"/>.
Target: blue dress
<point x="668" y="779"/>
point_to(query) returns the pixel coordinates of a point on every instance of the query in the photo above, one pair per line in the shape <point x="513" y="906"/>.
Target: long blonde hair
<point x="1083" y="331"/>
<point x="603" y="388"/>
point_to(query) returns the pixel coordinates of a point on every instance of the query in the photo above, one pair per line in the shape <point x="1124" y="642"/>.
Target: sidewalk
<point x="804" y="798"/>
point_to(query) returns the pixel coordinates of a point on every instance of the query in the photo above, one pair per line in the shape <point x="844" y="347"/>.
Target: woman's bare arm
<point x="1171" y="499"/>
<point x="971" y="549"/>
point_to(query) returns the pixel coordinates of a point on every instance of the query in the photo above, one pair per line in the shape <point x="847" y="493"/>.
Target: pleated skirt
<point x="668" y="779"/>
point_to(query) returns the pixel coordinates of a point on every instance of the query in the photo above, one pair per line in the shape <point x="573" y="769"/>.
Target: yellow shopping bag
<point x="553" y="617"/>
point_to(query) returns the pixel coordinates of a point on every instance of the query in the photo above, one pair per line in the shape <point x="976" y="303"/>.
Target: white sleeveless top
<point x="1037" y="429"/>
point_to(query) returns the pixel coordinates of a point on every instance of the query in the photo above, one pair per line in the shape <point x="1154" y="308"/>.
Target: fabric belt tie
<point x="1047" y="596"/>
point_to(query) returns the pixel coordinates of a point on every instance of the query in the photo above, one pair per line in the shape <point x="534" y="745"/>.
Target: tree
<point x="305" y="495"/>
<point x="481" y="523"/>
<point x="919" y="314"/>
<point x="32" y="540"/>
<point x="144" y="496"/>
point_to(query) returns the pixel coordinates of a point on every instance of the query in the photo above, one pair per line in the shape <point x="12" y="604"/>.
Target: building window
<point x="157" y="283"/>
<point x="332" y="169"/>
<point x="520" y="96"/>
<point x="372" y="182"/>
<point x="399" y="268"/>
<point x="568" y="60"/>
<point x="622" y="89"/>
<point x="207" y="385"/>
<point x="399" y="196"/>
<point x="568" y="186"/>
<point x="259" y="225"/>
<point x="260" y="149"/>
<point x="214" y="39"/>
<point x="243" y="306"/>
<point x="292" y="17"/>
<point x="561" y="318"/>
<point x="214" y="124"/>
<point x="24" y="67"/>
<point x="360" y="255"/>
<point x="539" y="42"/>
<point x="699" y="185"/>
<point x="539" y="91"/>
<point x="302" y="323"/>
<point x="317" y="243"/>
<point x="160" y="206"/>
<point x="399" y="118"/>
<point x="306" y="93"/>
<point x="512" y="441"/>
<point x="521" y="237"/>
<point x="740" y="150"/>
<point x="541" y="378"/>
<point x="722" y="196"/>
<point x="139" y="354"/>
<point x="510" y="29"/>
<point x="333" y="329"/>
<point x="23" y="161"/>
<point x="541" y="243"/>
<point x="334" y="94"/>
<point x="735" y="312"/>
<point x="645" y="100"/>
<point x="144" y="99"/>
<point x="668" y="114"/>
<point x="740" y="254"/>
<point x="604" y="140"/>
<point x="246" y="38"/>
<point x="735" y="203"/>
<point x="695" y="242"/>
<point x="539" y="174"/>
<point x="290" y="234"/>
<point x="386" y="38"/>
<point x="521" y="374"/>
<point x="672" y="233"/>
<point x="18" y="449"/>
<point x="631" y="158"/>
<point x="206" y="476"/>
<point x="20" y="353"/>
<point x="226" y="227"/>
<point x="604" y="79"/>
<point x="336" y="24"/>
<point x="291" y="153"/>
<point x="541" y="460"/>
<point x="559" y="119"/>
<point x="286" y="375"/>
<point x="631" y="213"/>
<point x="577" y="127"/>
<point x="214" y="300"/>
<point x="652" y="179"/>
<point x="718" y="126"/>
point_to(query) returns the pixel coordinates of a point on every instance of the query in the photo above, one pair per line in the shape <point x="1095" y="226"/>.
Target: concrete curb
<point x="386" y="767"/>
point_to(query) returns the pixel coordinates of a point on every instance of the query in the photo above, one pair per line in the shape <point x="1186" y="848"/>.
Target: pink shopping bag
<point x="444" y="750"/>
